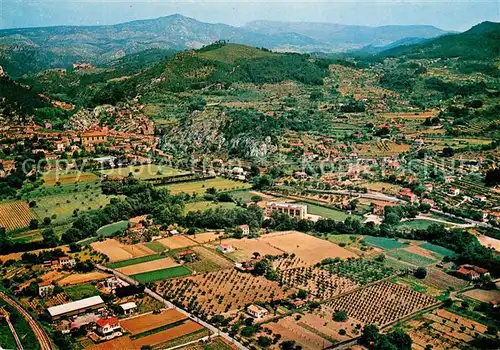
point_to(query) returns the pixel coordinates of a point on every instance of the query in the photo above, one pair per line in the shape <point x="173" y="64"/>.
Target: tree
<point x="264" y="342"/>
<point x="340" y="316"/>
<point x="302" y="294"/>
<point x="33" y="224"/>
<point x="492" y="177"/>
<point x="400" y="339"/>
<point x="420" y="272"/>
<point x="448" y="152"/>
<point x="369" y="335"/>
<point x="256" y="199"/>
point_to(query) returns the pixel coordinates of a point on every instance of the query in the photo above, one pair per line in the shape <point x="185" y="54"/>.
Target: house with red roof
<point x="107" y="327"/>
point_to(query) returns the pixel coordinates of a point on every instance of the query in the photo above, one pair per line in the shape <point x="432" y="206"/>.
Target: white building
<point x="245" y="229"/>
<point x="128" y="308"/>
<point x="45" y="288"/>
<point x="107" y="327"/>
<point x="225" y="248"/>
<point x="257" y="311"/>
<point x="298" y="211"/>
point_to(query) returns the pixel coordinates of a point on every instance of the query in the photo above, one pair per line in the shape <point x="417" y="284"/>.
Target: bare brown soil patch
<point x="78" y="278"/>
<point x="176" y="242"/>
<point x="148" y="266"/>
<point x="144" y="323"/>
<point x="187" y="327"/>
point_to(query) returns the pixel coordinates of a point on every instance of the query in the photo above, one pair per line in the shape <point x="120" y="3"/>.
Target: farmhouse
<point x="471" y="272"/>
<point x="66" y="261"/>
<point x="107" y="327"/>
<point x="257" y="311"/>
<point x="45" y="288"/>
<point x="75" y="307"/>
<point x="298" y="211"/>
<point x="225" y="248"/>
<point x="128" y="308"/>
<point x="245" y="229"/>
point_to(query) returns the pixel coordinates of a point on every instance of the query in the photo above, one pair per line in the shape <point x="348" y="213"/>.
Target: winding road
<point x="40" y="334"/>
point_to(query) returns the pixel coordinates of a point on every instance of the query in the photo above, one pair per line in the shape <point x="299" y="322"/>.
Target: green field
<point x="63" y="205"/>
<point x="23" y="329"/>
<point x="52" y="177"/>
<point x="384" y="243"/>
<point x="242" y="196"/>
<point x="160" y="275"/>
<point x="199" y="187"/>
<point x="156" y="246"/>
<point x="328" y="213"/>
<point x="135" y="261"/>
<point x="6" y="338"/>
<point x="415" y="224"/>
<point x="411" y="258"/>
<point x="205" y="205"/>
<point x="81" y="291"/>
<point x="148" y="171"/>
<point x="438" y="249"/>
<point x="341" y="238"/>
<point x="110" y="229"/>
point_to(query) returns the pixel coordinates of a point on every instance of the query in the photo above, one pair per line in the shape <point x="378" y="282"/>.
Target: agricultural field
<point x="53" y="177"/>
<point x="320" y="284"/>
<point x="81" y="291"/>
<point x="245" y="247"/>
<point x="308" y="248"/>
<point x="64" y="205"/>
<point x="439" y="279"/>
<point x="145" y="323"/>
<point x="205" y="205"/>
<point x="219" y="292"/>
<point x="361" y="271"/>
<point x="437" y="249"/>
<point x="200" y="187"/>
<point x="154" y="265"/>
<point x="384" y="243"/>
<point x="381" y="303"/>
<point x="113" y="228"/>
<point x="209" y="261"/>
<point x="16" y="215"/>
<point x="442" y="330"/>
<point x="6" y="338"/>
<point x="160" y="275"/>
<point x="482" y="295"/>
<point x="144" y="172"/>
<point x="77" y="278"/>
<point x="176" y="242"/>
<point x="165" y="337"/>
<point x="206" y="237"/>
<point x="411" y="258"/>
<point x="155" y="246"/>
<point x="117" y="251"/>
<point x="135" y="261"/>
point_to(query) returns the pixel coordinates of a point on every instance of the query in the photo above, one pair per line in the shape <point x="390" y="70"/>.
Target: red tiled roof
<point x="107" y="321"/>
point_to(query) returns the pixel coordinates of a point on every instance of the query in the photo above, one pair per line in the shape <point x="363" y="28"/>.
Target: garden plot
<point x="361" y="271"/>
<point x="148" y="266"/>
<point x="176" y="242"/>
<point x="117" y="251"/>
<point x="381" y="303"/>
<point x="308" y="248"/>
<point x="222" y="291"/>
<point x="15" y="215"/>
<point x="209" y="261"/>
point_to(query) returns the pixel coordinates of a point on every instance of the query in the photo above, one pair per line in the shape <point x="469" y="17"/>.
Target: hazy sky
<point x="446" y="14"/>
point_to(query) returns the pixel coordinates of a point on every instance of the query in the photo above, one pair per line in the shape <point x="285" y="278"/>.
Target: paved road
<point x="168" y="304"/>
<point x="40" y="334"/>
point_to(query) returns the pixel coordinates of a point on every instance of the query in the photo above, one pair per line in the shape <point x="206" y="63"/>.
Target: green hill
<point x="481" y="42"/>
<point x="229" y="53"/>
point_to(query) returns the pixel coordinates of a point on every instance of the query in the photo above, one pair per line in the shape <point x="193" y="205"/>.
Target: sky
<point x="456" y="15"/>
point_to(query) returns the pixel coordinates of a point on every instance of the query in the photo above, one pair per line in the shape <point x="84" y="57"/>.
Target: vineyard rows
<point x="15" y="215"/>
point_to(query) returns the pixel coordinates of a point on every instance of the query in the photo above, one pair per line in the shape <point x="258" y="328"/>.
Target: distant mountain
<point x="371" y="49"/>
<point x="30" y="50"/>
<point x="481" y="42"/>
<point x="344" y="37"/>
